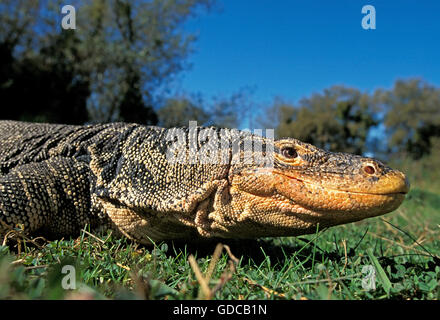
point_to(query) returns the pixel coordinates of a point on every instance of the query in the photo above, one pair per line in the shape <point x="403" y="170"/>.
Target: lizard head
<point x="305" y="186"/>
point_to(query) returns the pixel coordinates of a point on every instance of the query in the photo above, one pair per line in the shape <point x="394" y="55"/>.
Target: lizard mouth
<point x="320" y="198"/>
<point x="397" y="186"/>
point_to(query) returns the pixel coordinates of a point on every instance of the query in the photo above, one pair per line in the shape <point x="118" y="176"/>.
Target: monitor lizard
<point x="150" y="183"/>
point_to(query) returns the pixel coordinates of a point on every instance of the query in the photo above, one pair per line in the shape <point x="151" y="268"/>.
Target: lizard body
<point x="151" y="183"/>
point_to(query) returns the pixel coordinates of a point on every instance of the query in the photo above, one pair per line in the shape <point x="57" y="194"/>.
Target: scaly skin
<point x="56" y="178"/>
<point x="314" y="187"/>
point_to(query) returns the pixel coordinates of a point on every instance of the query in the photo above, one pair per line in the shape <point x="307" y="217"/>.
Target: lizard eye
<point x="289" y="152"/>
<point x="369" y="169"/>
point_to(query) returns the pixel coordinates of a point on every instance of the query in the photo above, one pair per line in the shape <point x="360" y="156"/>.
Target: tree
<point x="230" y="111"/>
<point x="38" y="83"/>
<point x="132" y="107"/>
<point x="223" y="112"/>
<point x="112" y="67"/>
<point x="178" y="111"/>
<point x="412" y="116"/>
<point x="43" y="87"/>
<point x="141" y="37"/>
<point x="339" y="119"/>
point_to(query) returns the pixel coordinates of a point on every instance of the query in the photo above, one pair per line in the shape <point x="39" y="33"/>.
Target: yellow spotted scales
<point x="182" y="183"/>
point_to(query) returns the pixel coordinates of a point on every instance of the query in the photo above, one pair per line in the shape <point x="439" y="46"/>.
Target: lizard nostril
<point x="369" y="169"/>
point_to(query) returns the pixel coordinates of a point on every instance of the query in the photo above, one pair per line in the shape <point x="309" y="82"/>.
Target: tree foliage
<point x="412" y="116"/>
<point x="222" y="112"/>
<point x="343" y="119"/>
<point x="134" y="46"/>
<point x="178" y="111"/>
<point x="110" y="68"/>
<point x="338" y="119"/>
<point x="38" y="83"/>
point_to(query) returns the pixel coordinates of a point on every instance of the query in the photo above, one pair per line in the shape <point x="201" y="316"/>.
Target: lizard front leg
<point x="50" y="198"/>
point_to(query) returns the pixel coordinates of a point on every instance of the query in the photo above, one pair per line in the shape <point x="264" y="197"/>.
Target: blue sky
<point x="292" y="48"/>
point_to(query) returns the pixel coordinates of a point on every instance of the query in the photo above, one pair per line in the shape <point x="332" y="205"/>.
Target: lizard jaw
<point x="351" y="205"/>
<point x="281" y="205"/>
<point x="261" y="216"/>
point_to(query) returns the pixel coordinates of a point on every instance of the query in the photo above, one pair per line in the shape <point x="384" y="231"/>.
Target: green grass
<point x="403" y="247"/>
